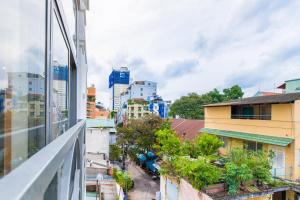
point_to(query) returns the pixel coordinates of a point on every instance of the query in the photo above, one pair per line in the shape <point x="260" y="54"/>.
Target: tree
<point x="139" y="133"/>
<point x="191" y="106"/>
<point x="114" y="152"/>
<point x="235" y="92"/>
<point x="188" y="107"/>
<point x="168" y="144"/>
<point x="207" y="145"/>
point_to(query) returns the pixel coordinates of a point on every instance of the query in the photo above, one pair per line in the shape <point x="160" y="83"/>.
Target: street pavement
<point x="144" y="187"/>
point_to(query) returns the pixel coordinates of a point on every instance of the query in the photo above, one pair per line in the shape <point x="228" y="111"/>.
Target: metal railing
<point x="32" y="178"/>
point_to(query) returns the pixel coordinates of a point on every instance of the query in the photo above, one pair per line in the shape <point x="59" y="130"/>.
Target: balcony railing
<point x="54" y="172"/>
<point x="283" y="172"/>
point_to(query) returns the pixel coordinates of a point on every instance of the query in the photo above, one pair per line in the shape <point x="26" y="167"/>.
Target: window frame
<point x="54" y="13"/>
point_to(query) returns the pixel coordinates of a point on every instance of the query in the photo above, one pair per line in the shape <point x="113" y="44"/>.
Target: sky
<point x="194" y="45"/>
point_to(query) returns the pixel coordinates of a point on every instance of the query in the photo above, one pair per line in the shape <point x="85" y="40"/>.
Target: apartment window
<point x="60" y="80"/>
<point x="140" y="115"/>
<point x="139" y="109"/>
<point x="258" y="112"/>
<point x="22" y="52"/>
<point x="132" y="115"/>
<point x="132" y="108"/>
<point x="253" y="146"/>
<point x="142" y="89"/>
<point x="142" y="94"/>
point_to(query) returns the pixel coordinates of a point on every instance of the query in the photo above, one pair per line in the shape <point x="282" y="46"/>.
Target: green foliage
<point x="123" y="179"/>
<point x="191" y="106"/>
<point x="167" y="143"/>
<point x="199" y="172"/>
<point x="260" y="164"/>
<point x="235" y="92"/>
<point x="206" y="145"/>
<point x="244" y="165"/>
<point x="112" y="114"/>
<point x="235" y="175"/>
<point x="140" y="132"/>
<point x="114" y="152"/>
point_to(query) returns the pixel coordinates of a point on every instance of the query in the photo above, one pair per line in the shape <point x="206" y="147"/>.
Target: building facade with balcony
<point x="268" y="123"/>
<point x="42" y="99"/>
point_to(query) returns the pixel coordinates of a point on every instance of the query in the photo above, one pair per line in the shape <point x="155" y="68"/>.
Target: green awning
<point x="280" y="141"/>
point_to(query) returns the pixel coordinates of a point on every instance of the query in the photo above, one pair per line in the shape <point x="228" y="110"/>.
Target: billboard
<point x="119" y="77"/>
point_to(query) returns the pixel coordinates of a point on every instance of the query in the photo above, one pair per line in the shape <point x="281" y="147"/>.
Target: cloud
<point x="195" y="46"/>
<point x="181" y="68"/>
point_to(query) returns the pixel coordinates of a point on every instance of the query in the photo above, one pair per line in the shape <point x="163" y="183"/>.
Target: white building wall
<point x="117" y="90"/>
<point x="97" y="141"/>
<point x="143" y="89"/>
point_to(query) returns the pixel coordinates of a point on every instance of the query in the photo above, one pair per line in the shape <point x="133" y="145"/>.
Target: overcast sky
<point x="194" y="45"/>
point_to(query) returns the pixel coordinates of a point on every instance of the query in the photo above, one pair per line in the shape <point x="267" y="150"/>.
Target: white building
<point x="100" y="134"/>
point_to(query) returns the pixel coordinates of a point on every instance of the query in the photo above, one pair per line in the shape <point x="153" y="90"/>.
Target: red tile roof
<point x="187" y="128"/>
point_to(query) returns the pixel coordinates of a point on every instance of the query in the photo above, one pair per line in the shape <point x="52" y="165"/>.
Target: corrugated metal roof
<point x="280" y="141"/>
<point x="281" y="98"/>
<point x="100" y="123"/>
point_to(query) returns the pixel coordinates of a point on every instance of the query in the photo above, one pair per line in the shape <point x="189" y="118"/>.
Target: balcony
<point x="54" y="172"/>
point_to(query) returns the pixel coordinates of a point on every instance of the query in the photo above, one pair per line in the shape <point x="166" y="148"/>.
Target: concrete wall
<point x="184" y="188"/>
<point x="97" y="140"/>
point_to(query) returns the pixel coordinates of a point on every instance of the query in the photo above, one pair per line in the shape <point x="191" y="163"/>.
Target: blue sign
<point x="61" y="73"/>
<point x="119" y="77"/>
<point x="158" y="108"/>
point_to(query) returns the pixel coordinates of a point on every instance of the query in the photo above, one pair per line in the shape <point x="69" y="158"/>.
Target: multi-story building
<point x="290" y="86"/>
<point x="137" y="108"/>
<point x="43" y="99"/>
<point x="91" y="102"/>
<point x="142" y="90"/>
<point x="118" y="83"/>
<point x="268" y="123"/>
<point x="145" y="92"/>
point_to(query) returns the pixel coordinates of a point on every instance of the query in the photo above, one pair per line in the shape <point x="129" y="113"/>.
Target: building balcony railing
<point x="283" y="172"/>
<point x="258" y="117"/>
<point x="54" y="172"/>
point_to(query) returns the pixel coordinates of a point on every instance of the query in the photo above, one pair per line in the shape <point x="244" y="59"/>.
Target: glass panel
<point x="51" y="192"/>
<point x="259" y="112"/>
<point x="60" y="81"/>
<point x="70" y="14"/>
<point x="22" y="81"/>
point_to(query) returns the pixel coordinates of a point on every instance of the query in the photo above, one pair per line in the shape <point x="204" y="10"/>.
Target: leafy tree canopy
<point x="140" y="132"/>
<point x="191" y="106"/>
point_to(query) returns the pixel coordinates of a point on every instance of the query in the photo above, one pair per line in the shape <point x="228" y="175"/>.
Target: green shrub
<point x="235" y="175"/>
<point x="199" y="172"/>
<point x="206" y="144"/>
<point x="123" y="179"/>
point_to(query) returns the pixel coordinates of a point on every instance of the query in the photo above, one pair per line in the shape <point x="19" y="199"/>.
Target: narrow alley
<point x="144" y="187"/>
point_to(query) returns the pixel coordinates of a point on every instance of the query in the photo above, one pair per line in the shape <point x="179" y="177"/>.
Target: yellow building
<point x="269" y="123"/>
<point x="137" y="108"/>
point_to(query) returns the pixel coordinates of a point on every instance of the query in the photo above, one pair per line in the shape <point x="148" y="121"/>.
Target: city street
<point x="144" y="187"/>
